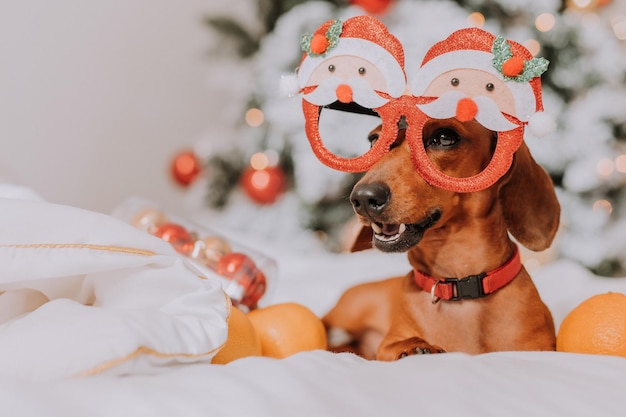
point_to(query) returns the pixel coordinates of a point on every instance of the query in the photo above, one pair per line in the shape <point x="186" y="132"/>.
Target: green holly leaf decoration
<point x="533" y="68"/>
<point x="501" y="51"/>
<point x="332" y="36"/>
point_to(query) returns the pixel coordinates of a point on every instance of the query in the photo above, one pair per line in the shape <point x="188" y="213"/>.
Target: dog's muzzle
<point x="370" y="200"/>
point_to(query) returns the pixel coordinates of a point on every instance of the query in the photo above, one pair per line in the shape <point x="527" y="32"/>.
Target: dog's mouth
<point x="391" y="237"/>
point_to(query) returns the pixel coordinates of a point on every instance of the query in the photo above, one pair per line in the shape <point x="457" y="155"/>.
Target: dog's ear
<point x="363" y="240"/>
<point x="531" y="209"/>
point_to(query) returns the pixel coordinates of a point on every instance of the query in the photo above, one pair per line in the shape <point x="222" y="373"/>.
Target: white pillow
<point x="82" y="293"/>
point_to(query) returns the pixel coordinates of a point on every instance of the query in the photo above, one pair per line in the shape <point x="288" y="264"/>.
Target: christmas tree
<point x="265" y="169"/>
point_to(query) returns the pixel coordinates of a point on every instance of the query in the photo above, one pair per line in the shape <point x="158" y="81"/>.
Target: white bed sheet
<point x="324" y="384"/>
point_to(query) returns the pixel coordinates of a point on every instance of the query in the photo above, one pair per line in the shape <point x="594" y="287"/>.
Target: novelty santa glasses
<point x="356" y="68"/>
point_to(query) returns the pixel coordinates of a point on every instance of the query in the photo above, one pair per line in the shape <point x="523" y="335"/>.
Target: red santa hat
<point x="361" y="36"/>
<point x="474" y="48"/>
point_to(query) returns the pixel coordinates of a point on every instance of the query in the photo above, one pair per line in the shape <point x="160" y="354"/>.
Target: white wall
<point x="96" y="96"/>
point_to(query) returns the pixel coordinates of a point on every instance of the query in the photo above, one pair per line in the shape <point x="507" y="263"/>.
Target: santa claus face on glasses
<point x="472" y="76"/>
<point x="347" y="79"/>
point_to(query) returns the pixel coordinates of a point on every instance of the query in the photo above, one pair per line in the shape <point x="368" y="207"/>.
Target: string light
<point x="476" y="19"/>
<point x="581" y="4"/>
<point x="545" y="22"/>
<point x="254" y="117"/>
<point x="618" y="23"/>
<point x="533" y="46"/>
<point x="603" y="205"/>
<point x="262" y="160"/>
<point x="259" y="161"/>
<point x="260" y="179"/>
<point x="605" y="167"/>
<point x="620" y="164"/>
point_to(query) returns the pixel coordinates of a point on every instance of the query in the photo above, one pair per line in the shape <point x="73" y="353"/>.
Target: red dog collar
<point x="472" y="286"/>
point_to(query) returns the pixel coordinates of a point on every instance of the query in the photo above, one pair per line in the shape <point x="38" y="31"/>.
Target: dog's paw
<point x="420" y="350"/>
<point x="410" y="347"/>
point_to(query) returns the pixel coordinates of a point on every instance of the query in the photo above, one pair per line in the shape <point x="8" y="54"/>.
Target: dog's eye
<point x="442" y="138"/>
<point x="373" y="137"/>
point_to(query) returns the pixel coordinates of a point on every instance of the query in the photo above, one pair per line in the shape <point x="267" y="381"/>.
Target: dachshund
<point x="483" y="299"/>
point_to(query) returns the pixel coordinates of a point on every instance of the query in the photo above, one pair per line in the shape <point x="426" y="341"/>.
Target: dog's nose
<point x="370" y="198"/>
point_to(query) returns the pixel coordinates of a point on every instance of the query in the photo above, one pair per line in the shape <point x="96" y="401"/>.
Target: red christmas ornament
<point x="149" y="219"/>
<point x="185" y="168"/>
<point x="263" y="185"/>
<point x="237" y="267"/>
<point x="373" y="6"/>
<point x="214" y="248"/>
<point x="177" y="236"/>
<point x="255" y="291"/>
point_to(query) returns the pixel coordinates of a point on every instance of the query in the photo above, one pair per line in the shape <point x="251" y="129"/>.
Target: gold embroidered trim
<point x="143" y="350"/>
<point x="105" y="248"/>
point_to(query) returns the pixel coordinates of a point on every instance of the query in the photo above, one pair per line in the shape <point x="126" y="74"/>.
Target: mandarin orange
<point x="242" y="340"/>
<point x="288" y="328"/>
<point x="596" y="326"/>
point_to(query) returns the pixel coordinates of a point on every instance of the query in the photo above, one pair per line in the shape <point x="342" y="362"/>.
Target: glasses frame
<point x="390" y="113"/>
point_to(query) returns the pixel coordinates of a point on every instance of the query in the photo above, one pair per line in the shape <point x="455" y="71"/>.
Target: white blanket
<point x="324" y="384"/>
<point x="107" y="305"/>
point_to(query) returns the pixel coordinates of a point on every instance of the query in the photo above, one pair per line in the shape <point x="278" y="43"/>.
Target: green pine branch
<point x="247" y="44"/>
<point x="269" y="12"/>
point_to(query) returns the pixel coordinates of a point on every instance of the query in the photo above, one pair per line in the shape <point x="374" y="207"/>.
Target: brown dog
<point x="448" y="234"/>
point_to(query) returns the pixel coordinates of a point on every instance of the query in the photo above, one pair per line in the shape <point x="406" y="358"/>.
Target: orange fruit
<point x="597" y="325"/>
<point x="242" y="339"/>
<point x="287" y="328"/>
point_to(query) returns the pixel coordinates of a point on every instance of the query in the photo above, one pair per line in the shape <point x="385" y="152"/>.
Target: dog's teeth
<point x="377" y="229"/>
<point x="402" y="228"/>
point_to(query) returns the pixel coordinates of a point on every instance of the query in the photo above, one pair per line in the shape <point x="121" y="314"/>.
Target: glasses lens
<point x="461" y="156"/>
<point x="343" y="137"/>
<point x="458" y="149"/>
<point x="345" y="131"/>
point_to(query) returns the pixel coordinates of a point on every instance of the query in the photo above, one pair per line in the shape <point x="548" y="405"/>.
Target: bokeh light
<point x="618" y="23"/>
<point x="254" y="117"/>
<point x="605" y="167"/>
<point x="259" y="161"/>
<point x="476" y="19"/>
<point x="545" y="22"/>
<point x="533" y="46"/>
<point x="620" y="163"/>
<point x="603" y="205"/>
